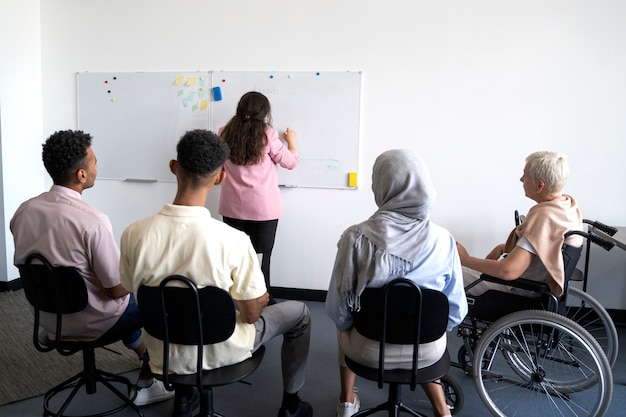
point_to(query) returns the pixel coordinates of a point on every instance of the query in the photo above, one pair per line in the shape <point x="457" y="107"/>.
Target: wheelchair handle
<point x="609" y="230"/>
<point x="603" y="243"/>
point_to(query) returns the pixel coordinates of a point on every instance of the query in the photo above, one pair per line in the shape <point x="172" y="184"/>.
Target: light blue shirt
<point x="437" y="267"/>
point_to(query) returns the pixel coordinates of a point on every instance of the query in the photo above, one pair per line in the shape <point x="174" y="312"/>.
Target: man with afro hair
<point x="59" y="225"/>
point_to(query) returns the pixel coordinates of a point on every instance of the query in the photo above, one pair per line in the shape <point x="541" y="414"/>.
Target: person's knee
<point x="303" y="325"/>
<point x="133" y="341"/>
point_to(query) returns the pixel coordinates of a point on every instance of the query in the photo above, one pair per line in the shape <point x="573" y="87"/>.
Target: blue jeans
<point x="128" y="326"/>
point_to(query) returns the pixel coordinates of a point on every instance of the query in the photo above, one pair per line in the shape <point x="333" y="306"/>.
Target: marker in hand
<point x="290" y="138"/>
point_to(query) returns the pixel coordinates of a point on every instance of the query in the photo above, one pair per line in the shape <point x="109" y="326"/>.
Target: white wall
<point x="21" y="170"/>
<point x="473" y="87"/>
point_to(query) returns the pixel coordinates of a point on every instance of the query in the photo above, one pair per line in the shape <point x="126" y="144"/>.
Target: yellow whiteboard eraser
<point x="352" y="179"/>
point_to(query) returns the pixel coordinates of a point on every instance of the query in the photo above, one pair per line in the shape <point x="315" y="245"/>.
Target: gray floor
<point x="262" y="397"/>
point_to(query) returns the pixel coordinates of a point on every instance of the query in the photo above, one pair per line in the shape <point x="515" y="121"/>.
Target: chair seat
<point x="493" y="304"/>
<point x="60" y="291"/>
<point x="403" y="376"/>
<point x="221" y="376"/>
<point x="70" y="347"/>
<point x="209" y="318"/>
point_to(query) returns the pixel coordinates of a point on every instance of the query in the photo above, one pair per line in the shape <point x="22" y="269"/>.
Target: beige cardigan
<point x="544" y="227"/>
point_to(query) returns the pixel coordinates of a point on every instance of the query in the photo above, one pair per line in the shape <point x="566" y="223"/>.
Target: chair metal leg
<point x="75" y="382"/>
<point x="393" y="405"/>
<point x="370" y="411"/>
<point x="89" y="368"/>
<point x="206" y="404"/>
<point x="89" y="378"/>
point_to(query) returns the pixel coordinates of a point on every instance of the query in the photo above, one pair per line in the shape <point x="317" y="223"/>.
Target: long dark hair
<point x="245" y="132"/>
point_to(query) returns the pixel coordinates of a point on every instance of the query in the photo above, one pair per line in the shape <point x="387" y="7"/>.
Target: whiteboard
<point x="136" y="119"/>
<point x="322" y="107"/>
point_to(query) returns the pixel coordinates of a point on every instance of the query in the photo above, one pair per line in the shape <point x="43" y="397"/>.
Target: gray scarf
<point x="386" y="244"/>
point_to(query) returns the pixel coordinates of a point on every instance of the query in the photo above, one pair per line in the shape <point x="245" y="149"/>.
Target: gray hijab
<point x="386" y="244"/>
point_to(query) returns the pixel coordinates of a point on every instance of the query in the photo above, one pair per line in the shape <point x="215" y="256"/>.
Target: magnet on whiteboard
<point x="217" y="94"/>
<point x="352" y="179"/>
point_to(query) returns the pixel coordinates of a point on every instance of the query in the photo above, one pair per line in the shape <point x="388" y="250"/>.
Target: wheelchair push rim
<point x="536" y="362"/>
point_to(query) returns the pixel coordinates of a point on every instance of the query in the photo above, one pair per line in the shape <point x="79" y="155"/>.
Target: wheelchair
<point x="527" y="357"/>
<point x="586" y="310"/>
<point x="582" y="307"/>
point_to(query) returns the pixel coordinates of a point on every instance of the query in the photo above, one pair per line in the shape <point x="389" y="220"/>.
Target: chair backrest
<point x="402" y="313"/>
<point x="184" y="314"/>
<point x="178" y="310"/>
<point x="57" y="290"/>
<point x="571" y="255"/>
<point x="53" y="289"/>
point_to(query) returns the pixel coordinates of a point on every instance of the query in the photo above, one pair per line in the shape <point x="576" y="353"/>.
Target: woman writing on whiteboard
<point x="250" y="198"/>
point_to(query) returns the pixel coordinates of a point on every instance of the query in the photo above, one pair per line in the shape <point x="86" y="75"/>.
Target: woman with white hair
<point x="533" y="249"/>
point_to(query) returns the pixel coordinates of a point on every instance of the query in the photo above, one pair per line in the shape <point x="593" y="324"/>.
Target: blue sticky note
<point x="217" y="93"/>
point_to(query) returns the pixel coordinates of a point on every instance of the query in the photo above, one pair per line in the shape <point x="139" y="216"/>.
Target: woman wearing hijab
<point x="398" y="240"/>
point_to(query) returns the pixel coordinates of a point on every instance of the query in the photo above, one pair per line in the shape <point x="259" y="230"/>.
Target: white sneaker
<point x="347" y="409"/>
<point x="153" y="394"/>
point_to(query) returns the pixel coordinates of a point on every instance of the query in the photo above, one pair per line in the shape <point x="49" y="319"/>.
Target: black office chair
<point x="61" y="290"/>
<point x="186" y="315"/>
<point x="401" y="313"/>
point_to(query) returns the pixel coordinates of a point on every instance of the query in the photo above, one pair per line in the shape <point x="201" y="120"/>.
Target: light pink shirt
<point x="250" y="192"/>
<point x="69" y="232"/>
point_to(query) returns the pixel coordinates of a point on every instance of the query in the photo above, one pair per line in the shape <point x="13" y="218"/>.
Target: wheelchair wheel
<point x="541" y="363"/>
<point x="465" y="360"/>
<point x="592" y="316"/>
<point x="453" y="393"/>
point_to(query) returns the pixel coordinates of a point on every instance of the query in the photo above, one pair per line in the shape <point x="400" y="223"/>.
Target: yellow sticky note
<point x="204" y="104"/>
<point x="352" y="179"/>
<point x="191" y="81"/>
<point x="179" y="80"/>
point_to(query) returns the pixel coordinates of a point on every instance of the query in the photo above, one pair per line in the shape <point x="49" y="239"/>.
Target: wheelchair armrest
<point x="522" y="283"/>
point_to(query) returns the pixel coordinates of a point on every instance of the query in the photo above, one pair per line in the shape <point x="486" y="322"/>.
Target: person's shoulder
<point x="73" y="199"/>
<point x="438" y="230"/>
<point x="229" y="232"/>
<point x="272" y="134"/>
<point x="25" y="205"/>
<point x="148" y="224"/>
<point x="83" y="211"/>
<point x="20" y="212"/>
<point x="439" y="236"/>
<point x="140" y="224"/>
<point x="352" y="232"/>
<point x="95" y="211"/>
<point x="90" y="214"/>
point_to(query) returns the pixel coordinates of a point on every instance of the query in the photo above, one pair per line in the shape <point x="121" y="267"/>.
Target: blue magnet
<point x="217" y="94"/>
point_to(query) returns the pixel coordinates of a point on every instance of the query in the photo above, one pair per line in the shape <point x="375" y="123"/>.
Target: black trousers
<point x="262" y="234"/>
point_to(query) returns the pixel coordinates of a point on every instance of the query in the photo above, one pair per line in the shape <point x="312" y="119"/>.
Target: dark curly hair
<point x="201" y="152"/>
<point x="245" y="132"/>
<point x="64" y="153"/>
